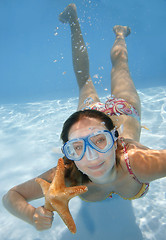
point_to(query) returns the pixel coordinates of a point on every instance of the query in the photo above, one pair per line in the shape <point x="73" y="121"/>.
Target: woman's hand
<point x="42" y="218"/>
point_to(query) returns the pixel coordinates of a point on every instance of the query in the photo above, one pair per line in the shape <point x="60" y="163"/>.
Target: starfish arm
<point x="48" y="206"/>
<point x="71" y="192"/>
<point x="44" y="185"/>
<point x="59" y="178"/>
<point x="62" y="209"/>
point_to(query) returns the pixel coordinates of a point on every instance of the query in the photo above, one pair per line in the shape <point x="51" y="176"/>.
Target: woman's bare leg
<point x="122" y="85"/>
<point x="80" y="56"/>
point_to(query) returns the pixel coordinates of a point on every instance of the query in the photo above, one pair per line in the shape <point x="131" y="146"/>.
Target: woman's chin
<point x="101" y="176"/>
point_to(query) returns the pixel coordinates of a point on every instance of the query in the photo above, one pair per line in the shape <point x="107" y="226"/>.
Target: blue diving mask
<point x="100" y="141"/>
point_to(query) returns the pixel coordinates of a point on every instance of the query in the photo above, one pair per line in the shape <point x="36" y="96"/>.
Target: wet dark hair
<point x="72" y="174"/>
<point x="75" y="117"/>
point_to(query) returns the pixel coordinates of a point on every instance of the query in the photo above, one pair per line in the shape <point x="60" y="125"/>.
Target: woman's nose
<point x="91" y="154"/>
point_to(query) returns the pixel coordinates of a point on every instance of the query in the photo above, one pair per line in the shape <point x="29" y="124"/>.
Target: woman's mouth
<point x="96" y="167"/>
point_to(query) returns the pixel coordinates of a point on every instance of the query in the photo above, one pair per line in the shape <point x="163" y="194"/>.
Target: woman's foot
<point x="121" y="31"/>
<point x="69" y="14"/>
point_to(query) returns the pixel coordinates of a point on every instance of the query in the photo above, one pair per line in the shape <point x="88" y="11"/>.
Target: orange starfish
<point x="57" y="195"/>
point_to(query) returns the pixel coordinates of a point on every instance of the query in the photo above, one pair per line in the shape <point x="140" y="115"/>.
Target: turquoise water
<point x="35" y="100"/>
<point x="36" y="48"/>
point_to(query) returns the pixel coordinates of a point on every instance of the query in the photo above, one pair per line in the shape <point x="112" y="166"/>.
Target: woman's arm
<point x="16" y="202"/>
<point x="147" y="164"/>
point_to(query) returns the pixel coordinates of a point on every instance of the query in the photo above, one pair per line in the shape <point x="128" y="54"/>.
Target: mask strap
<point x="120" y="129"/>
<point x="117" y="131"/>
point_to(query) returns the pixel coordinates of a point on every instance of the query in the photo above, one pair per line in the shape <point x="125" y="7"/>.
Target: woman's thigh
<point x="122" y="86"/>
<point x="87" y="95"/>
<point x="131" y="127"/>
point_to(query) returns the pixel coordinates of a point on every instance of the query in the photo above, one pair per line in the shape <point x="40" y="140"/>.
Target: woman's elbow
<point x="6" y="199"/>
<point x="10" y="198"/>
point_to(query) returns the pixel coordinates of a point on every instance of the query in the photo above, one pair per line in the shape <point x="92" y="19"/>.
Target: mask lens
<point x="102" y="142"/>
<point x="74" y="149"/>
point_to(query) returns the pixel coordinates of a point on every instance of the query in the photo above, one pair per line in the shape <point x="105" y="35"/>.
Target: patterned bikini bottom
<point x="115" y="106"/>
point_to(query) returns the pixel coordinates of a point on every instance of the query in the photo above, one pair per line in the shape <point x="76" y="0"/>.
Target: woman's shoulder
<point x="134" y="154"/>
<point x="130" y="144"/>
<point x="135" y="150"/>
<point x="143" y="160"/>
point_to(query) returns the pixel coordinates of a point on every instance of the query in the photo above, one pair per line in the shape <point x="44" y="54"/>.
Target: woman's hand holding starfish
<point x="57" y="195"/>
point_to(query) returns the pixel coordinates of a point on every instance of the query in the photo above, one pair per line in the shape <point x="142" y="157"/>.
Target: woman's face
<point x="99" y="167"/>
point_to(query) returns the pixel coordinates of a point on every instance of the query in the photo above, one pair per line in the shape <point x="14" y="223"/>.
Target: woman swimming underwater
<point x="98" y="153"/>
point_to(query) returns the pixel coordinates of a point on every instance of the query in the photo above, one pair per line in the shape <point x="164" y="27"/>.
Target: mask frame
<point x="87" y="144"/>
